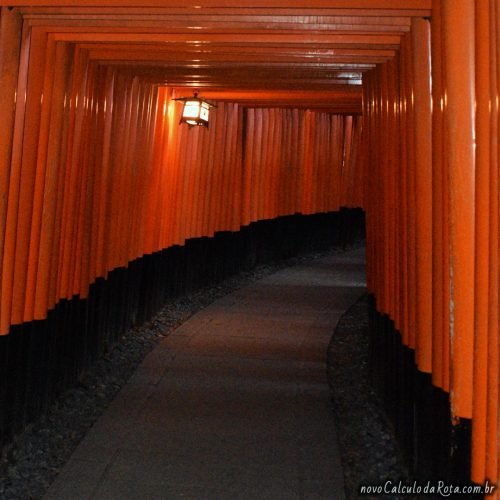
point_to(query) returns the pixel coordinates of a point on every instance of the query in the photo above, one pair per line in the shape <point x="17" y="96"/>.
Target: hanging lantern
<point x="196" y="111"/>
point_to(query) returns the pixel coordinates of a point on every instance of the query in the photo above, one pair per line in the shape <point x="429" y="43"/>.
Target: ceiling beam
<point x="310" y="4"/>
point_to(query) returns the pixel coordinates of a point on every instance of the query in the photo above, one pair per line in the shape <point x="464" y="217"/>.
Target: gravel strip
<point x="32" y="460"/>
<point x="369" y="450"/>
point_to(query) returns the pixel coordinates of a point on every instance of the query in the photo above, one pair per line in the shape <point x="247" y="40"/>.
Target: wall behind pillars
<point x="432" y="217"/>
<point x="99" y="173"/>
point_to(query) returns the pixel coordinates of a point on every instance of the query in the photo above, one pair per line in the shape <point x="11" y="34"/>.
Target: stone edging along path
<point x="29" y="464"/>
<point x="368" y="447"/>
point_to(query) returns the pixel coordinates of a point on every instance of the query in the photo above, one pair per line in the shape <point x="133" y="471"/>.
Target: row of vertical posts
<point x="299" y="161"/>
<point x="96" y="171"/>
<point x="431" y="137"/>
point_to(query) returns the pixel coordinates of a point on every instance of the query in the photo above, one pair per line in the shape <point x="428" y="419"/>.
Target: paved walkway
<point x="233" y="405"/>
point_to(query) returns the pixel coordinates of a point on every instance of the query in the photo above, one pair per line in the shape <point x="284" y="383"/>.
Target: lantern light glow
<point x="196" y="111"/>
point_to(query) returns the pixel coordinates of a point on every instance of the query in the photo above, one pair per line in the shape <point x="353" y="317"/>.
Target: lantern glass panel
<point x="204" y="111"/>
<point x="191" y="109"/>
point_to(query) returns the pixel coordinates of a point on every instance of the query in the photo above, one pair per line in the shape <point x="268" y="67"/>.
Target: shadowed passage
<point x="234" y="404"/>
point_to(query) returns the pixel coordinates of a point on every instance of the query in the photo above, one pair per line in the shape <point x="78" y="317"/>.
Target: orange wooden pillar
<point x="394" y="220"/>
<point x="403" y="204"/>
<point x="237" y="221"/>
<point x="22" y="183"/>
<point x="165" y="131"/>
<point x="82" y="256"/>
<point x="153" y="219"/>
<point x="440" y="261"/>
<point x="423" y="191"/>
<point x="379" y="206"/>
<point x="458" y="17"/>
<point x="10" y="46"/>
<point x="71" y="174"/>
<point x="255" y="160"/>
<point x="485" y="425"/>
<point x="493" y="410"/>
<point x="385" y="175"/>
<point x="209" y="165"/>
<point x="169" y="182"/>
<point x="105" y="173"/>
<point x="482" y="234"/>
<point x="412" y="215"/>
<point x="358" y="159"/>
<point x="370" y="182"/>
<point x="46" y="270"/>
<point x="391" y="180"/>
<point x="247" y="176"/>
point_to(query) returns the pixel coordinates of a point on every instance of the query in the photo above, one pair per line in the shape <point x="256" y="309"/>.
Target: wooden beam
<point x="329" y="4"/>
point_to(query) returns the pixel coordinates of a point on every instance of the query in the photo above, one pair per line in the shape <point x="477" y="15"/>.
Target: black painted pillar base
<point x="436" y="449"/>
<point x="39" y="360"/>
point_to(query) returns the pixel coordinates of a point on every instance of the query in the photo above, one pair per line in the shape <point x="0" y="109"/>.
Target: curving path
<point x="234" y="405"/>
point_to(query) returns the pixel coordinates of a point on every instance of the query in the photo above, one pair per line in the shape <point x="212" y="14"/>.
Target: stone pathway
<point x="233" y="405"/>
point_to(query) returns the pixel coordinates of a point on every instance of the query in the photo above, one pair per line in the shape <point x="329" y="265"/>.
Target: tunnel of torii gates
<point x="322" y="105"/>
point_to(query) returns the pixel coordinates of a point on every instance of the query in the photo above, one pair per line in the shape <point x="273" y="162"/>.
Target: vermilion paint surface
<point x="96" y="172"/>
